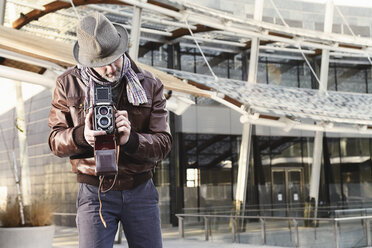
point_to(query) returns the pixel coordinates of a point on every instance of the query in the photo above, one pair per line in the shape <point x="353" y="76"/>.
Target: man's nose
<point x="110" y="68"/>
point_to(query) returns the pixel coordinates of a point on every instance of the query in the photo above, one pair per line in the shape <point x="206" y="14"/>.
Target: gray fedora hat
<point x="99" y="42"/>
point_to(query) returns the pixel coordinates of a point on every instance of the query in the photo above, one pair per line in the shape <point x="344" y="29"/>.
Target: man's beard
<point x="112" y="78"/>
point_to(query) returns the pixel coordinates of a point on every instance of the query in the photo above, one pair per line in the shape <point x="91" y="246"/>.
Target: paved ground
<point x="66" y="237"/>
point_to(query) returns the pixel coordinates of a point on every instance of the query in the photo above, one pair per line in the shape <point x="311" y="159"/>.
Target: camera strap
<point x="109" y="144"/>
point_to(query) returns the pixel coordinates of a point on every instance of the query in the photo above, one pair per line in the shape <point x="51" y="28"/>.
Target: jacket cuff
<point x="78" y="136"/>
<point x="132" y="144"/>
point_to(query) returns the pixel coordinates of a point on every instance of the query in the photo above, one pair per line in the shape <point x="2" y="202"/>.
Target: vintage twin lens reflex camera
<point x="103" y="109"/>
<point x="103" y="119"/>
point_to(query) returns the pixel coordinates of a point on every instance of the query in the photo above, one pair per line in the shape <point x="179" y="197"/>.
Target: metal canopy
<point x="270" y="105"/>
<point x="22" y="46"/>
<point x="290" y="107"/>
<point x="167" y="21"/>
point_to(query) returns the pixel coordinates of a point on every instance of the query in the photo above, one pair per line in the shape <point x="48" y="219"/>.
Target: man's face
<point x="111" y="72"/>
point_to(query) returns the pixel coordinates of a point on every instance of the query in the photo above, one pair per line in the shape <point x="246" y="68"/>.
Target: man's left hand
<point x="123" y="126"/>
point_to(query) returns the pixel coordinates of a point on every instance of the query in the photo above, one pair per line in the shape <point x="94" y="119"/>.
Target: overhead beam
<point x="60" y="53"/>
<point x="63" y="4"/>
<point x="26" y="76"/>
<point x="214" y="20"/>
<point x="22" y="66"/>
<point x="53" y="7"/>
<point x="36" y="47"/>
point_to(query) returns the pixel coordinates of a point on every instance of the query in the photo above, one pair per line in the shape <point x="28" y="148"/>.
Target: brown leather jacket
<point x="150" y="139"/>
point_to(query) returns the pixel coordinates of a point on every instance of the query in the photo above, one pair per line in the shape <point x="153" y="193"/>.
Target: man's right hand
<point x="89" y="133"/>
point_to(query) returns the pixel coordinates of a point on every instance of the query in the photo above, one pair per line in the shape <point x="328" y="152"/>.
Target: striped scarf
<point x="135" y="92"/>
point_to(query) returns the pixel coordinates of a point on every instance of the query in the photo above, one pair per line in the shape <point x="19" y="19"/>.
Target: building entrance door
<point x="287" y="191"/>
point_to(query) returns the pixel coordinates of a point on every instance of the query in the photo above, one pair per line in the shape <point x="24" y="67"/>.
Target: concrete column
<point x="255" y="43"/>
<point x="22" y="142"/>
<point x="316" y="167"/>
<point x="2" y="11"/>
<point x="253" y="61"/>
<point x="242" y="181"/>
<point x="318" y="140"/>
<point x="328" y="22"/>
<point x="135" y="33"/>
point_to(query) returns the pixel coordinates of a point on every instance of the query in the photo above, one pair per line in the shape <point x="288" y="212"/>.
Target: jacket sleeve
<point x="155" y="144"/>
<point x="62" y="137"/>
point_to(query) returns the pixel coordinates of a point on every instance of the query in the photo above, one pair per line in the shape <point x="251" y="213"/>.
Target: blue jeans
<point x="137" y="209"/>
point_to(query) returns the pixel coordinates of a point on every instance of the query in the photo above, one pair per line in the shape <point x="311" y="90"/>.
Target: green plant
<point x="39" y="213"/>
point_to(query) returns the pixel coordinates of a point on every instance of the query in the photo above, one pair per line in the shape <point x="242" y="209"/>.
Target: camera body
<point x="103" y="119"/>
<point x="103" y="109"/>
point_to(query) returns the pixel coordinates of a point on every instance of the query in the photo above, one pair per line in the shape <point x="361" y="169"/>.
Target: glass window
<point x="333" y="171"/>
<point x="220" y="66"/>
<point x="154" y="57"/>
<point x="209" y="169"/>
<point x="162" y="183"/>
<point x="188" y="59"/>
<point x="304" y="75"/>
<point x="369" y="80"/>
<point x="261" y="72"/>
<point x="236" y="70"/>
<point x="332" y="85"/>
<point x="350" y="179"/>
<point x="351" y="147"/>
<point x="192" y="177"/>
<point x="283" y="74"/>
<point x="351" y="79"/>
<point x="160" y="57"/>
<point x="276" y="158"/>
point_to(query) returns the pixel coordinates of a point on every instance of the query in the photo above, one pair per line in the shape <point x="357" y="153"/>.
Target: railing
<point x="325" y="211"/>
<point x="263" y="219"/>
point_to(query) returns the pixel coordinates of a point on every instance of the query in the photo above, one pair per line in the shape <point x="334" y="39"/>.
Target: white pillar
<point x="316" y="167"/>
<point x="245" y="147"/>
<point x="328" y="22"/>
<point x="255" y="44"/>
<point x="242" y="180"/>
<point x="253" y="60"/>
<point x="22" y="143"/>
<point x="2" y="11"/>
<point x="318" y="140"/>
<point x="135" y="33"/>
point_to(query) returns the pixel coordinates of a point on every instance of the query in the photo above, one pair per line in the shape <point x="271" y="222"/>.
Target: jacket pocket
<point x="76" y="106"/>
<point x="139" y="116"/>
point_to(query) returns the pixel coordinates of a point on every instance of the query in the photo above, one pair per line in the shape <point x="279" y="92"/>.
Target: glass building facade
<point x="200" y="173"/>
<point x="280" y="164"/>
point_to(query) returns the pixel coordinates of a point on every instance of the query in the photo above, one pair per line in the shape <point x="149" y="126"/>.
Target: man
<point x="142" y="135"/>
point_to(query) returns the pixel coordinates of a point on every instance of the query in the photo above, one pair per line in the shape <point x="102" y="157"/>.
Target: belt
<point x="122" y="182"/>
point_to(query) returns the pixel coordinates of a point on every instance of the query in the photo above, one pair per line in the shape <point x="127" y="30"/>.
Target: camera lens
<point x="103" y="110"/>
<point x="104" y="121"/>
